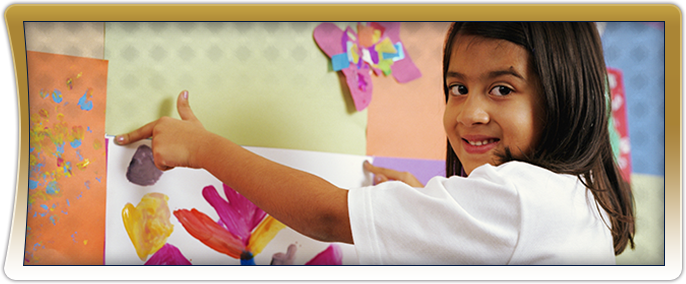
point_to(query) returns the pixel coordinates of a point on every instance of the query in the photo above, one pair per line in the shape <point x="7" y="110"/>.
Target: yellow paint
<point x="85" y="242"/>
<point x="263" y="234"/>
<point x="97" y="145"/>
<point x="83" y="164"/>
<point x="148" y="223"/>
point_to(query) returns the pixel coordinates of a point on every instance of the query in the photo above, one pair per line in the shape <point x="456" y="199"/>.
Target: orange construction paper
<point x="67" y="177"/>
<point x="406" y="120"/>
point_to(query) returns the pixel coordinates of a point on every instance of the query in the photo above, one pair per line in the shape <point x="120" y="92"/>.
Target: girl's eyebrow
<point x="511" y="72"/>
<point x="491" y="75"/>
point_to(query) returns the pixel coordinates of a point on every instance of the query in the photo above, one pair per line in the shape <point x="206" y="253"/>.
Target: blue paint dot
<point x="88" y="128"/>
<point x="44" y="206"/>
<point x="84" y="103"/>
<point x="33" y="184"/>
<point x="98" y="179"/>
<point x="76" y="143"/>
<point x="57" y="96"/>
<point x="52" y="219"/>
<point x="52" y="188"/>
<point x="68" y="202"/>
<point x="59" y="149"/>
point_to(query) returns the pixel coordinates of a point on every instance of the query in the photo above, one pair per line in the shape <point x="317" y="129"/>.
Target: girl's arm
<point x="302" y="201"/>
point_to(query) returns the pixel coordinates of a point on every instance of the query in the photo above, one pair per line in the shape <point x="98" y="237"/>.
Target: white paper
<point x="184" y="188"/>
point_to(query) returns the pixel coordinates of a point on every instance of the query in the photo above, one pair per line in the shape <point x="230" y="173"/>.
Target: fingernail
<point x="185" y="95"/>
<point x="119" y="139"/>
<point x="377" y="179"/>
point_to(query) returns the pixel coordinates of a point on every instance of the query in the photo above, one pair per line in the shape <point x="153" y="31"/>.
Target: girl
<point x="530" y="173"/>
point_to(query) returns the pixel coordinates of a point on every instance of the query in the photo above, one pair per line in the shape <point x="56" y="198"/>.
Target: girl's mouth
<point x="479" y="146"/>
<point x="483" y="142"/>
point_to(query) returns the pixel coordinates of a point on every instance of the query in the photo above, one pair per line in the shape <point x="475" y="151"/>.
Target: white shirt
<point x="515" y="213"/>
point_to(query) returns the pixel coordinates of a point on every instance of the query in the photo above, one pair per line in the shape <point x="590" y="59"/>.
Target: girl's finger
<point x="141" y="133"/>
<point x="184" y="107"/>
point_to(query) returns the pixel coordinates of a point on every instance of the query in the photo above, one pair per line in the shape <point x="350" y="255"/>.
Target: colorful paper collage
<point x="375" y="46"/>
<point x="68" y="175"/>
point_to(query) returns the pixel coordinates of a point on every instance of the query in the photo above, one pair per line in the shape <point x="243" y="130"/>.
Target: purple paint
<point x="422" y="169"/>
<point x="168" y="255"/>
<point x="142" y="170"/>
<point x="287" y="258"/>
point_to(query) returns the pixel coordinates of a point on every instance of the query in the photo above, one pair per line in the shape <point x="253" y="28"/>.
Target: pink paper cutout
<point x="332" y="40"/>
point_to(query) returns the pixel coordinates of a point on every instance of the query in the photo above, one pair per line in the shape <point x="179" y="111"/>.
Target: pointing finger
<point x="141" y="133"/>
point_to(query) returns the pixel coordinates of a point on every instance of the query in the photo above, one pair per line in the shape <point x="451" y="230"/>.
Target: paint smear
<point x="287" y="258"/>
<point x="168" y="255"/>
<point x="264" y="234"/>
<point x="148" y="223"/>
<point x="142" y="170"/>
<point x="207" y="231"/>
<point x="332" y="255"/>
<point x="84" y="103"/>
<point x="237" y="214"/>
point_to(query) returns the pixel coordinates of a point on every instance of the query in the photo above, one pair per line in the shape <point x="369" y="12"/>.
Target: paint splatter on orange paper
<point x="67" y="175"/>
<point x="148" y="223"/>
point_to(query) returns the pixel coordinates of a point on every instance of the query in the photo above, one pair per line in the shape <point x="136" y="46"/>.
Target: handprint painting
<point x="242" y="230"/>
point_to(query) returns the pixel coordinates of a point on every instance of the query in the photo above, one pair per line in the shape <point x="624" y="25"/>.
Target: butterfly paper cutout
<point x="375" y="47"/>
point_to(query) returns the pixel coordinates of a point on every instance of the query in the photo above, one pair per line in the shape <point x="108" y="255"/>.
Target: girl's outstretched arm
<point x="302" y="201"/>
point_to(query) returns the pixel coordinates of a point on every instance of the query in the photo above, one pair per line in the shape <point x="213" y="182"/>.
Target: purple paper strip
<point x="422" y="169"/>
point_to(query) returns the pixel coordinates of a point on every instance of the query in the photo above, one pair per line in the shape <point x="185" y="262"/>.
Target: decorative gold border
<point x="15" y="15"/>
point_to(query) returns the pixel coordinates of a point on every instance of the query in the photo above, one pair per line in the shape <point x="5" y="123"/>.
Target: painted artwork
<point x="374" y="47"/>
<point x="67" y="158"/>
<point x="188" y="217"/>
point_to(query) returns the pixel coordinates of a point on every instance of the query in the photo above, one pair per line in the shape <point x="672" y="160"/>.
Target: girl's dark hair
<point x="567" y="57"/>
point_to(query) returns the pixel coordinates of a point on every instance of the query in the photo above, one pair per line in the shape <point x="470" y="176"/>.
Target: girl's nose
<point x="473" y="111"/>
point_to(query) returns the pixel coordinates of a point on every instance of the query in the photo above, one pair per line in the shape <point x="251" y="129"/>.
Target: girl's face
<point x="494" y="101"/>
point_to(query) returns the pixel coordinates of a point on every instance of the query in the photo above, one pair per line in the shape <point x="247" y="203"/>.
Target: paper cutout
<point x="67" y="173"/>
<point x="148" y="224"/>
<point x="237" y="233"/>
<point x="377" y="45"/>
<point x="619" y="126"/>
<point x="142" y="170"/>
<point x="422" y="169"/>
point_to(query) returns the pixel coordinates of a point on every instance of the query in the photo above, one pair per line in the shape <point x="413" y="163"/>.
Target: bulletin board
<point x="266" y="86"/>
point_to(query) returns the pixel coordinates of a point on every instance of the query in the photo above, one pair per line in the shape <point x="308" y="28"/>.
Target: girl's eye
<point x="458" y="90"/>
<point x="501" y="91"/>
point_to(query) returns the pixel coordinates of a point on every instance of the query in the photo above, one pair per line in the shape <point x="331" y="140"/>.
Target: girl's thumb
<point x="183" y="107"/>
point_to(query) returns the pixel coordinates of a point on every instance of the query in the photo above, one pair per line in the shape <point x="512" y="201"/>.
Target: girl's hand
<point x="174" y="142"/>
<point x="384" y="174"/>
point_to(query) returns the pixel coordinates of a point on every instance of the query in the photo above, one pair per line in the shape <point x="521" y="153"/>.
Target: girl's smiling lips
<point x="479" y="144"/>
